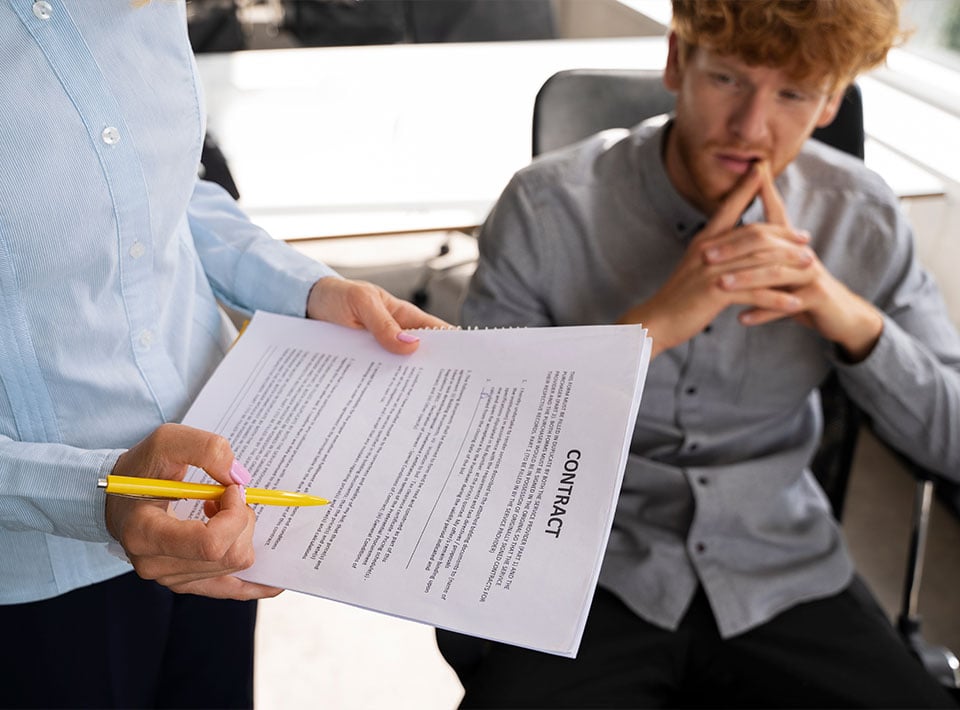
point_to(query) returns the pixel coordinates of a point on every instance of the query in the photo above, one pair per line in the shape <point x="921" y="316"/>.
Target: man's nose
<point x="749" y="121"/>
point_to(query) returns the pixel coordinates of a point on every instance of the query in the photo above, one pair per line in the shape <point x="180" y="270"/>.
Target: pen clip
<point x="102" y="483"/>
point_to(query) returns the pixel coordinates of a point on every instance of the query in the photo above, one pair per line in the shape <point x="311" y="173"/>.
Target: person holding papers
<point x="760" y="262"/>
<point x="113" y="255"/>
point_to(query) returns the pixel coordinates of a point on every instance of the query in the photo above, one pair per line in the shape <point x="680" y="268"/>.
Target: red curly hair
<point x="837" y="39"/>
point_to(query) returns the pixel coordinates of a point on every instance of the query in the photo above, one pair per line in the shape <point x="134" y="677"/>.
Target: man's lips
<point x="738" y="164"/>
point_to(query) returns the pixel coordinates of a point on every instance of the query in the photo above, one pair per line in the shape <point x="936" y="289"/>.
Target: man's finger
<point x="773" y="207"/>
<point x="761" y="316"/>
<point x="736" y="202"/>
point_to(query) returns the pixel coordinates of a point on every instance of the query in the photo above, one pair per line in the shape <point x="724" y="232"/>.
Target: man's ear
<point x="672" y="73"/>
<point x="829" y="110"/>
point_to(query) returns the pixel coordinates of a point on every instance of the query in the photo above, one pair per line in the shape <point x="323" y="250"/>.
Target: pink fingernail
<point x="405" y="337"/>
<point x="239" y="474"/>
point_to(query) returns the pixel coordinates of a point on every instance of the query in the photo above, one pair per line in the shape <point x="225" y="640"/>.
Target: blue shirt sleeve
<point x="247" y="269"/>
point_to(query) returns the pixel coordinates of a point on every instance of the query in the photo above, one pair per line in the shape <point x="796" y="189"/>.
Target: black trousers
<point x="832" y="653"/>
<point x="127" y="643"/>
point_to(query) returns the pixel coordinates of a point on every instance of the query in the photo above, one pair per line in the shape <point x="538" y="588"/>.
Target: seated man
<point x="760" y="262"/>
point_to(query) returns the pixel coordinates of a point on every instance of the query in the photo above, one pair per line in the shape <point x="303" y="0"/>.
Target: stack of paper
<point x="473" y="483"/>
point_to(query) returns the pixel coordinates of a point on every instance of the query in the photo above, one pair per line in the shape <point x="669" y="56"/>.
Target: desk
<point x="337" y="141"/>
<point x="357" y="140"/>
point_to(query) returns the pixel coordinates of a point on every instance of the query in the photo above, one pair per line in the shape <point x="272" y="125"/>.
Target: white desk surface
<point x="340" y="141"/>
<point x="352" y="140"/>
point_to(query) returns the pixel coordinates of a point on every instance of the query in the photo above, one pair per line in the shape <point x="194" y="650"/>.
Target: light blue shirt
<point x="112" y="256"/>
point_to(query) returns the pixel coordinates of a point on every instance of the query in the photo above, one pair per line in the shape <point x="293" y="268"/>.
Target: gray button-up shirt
<point x="717" y="489"/>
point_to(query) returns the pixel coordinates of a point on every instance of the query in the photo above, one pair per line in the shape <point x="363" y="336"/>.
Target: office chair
<point x="574" y="104"/>
<point x="214" y="167"/>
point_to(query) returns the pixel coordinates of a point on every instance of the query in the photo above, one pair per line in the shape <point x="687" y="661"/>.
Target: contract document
<point x="472" y="483"/>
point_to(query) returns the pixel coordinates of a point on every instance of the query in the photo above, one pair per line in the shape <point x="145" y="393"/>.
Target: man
<point x="112" y="258"/>
<point x="760" y="262"/>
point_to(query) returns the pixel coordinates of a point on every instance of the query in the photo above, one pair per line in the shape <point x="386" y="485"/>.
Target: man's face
<point x="730" y="114"/>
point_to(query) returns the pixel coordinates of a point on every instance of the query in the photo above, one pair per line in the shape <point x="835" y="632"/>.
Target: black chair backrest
<point x="576" y="103"/>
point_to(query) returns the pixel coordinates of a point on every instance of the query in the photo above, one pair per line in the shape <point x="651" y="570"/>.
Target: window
<point x="928" y="66"/>
<point x="936" y="26"/>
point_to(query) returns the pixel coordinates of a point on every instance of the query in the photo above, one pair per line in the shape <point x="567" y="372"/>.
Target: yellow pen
<point x="164" y="488"/>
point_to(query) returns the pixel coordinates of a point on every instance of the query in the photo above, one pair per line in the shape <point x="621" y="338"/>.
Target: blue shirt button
<point x="42" y="9"/>
<point x="110" y="135"/>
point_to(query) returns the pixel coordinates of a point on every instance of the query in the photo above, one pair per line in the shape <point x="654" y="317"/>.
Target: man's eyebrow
<point x="809" y="85"/>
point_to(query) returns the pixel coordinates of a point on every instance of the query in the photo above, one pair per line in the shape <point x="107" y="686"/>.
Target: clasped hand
<point x="768" y="267"/>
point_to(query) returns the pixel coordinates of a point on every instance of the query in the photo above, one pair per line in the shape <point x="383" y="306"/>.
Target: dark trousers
<point x="127" y="643"/>
<point x="832" y="653"/>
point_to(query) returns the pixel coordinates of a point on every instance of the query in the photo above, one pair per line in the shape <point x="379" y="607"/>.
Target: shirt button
<point x="708" y="329"/>
<point x="137" y="249"/>
<point x="692" y="447"/>
<point x="700" y="547"/>
<point x="110" y="135"/>
<point x="42" y="9"/>
<point x="146" y="338"/>
<point x="703" y="480"/>
<point x="691" y="391"/>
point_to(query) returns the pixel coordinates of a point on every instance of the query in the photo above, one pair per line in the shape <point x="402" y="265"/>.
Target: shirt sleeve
<point x="247" y="268"/>
<point x="52" y="488"/>
<point x="909" y="385"/>
<point x="506" y="286"/>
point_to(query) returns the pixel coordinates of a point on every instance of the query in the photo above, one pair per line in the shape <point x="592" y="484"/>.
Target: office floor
<point x="312" y="653"/>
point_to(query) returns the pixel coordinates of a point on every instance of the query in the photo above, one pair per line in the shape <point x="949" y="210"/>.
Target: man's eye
<point x="790" y="95"/>
<point x="722" y="79"/>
